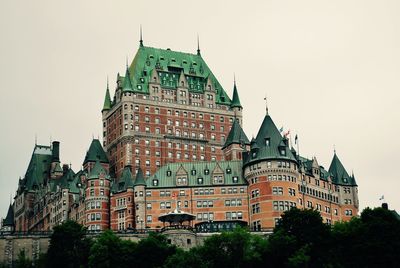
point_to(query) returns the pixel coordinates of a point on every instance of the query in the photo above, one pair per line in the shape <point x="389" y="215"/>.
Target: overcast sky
<point x="329" y="68"/>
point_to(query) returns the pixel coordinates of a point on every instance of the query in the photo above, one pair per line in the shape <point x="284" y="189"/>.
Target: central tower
<point x="169" y="107"/>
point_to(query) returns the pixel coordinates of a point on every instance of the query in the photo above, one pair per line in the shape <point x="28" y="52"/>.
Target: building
<point x="173" y="139"/>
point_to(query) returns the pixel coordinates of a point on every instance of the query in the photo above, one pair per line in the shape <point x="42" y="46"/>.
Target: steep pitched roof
<point x="9" y="220"/>
<point x="268" y="144"/>
<point x="235" y="98"/>
<point x="167" y="174"/>
<point x="339" y="173"/>
<point x="38" y="168"/>
<point x="139" y="178"/>
<point x="236" y="135"/>
<point x="97" y="171"/>
<point x="125" y="182"/>
<point x="95" y="153"/>
<point x="107" y="100"/>
<point x="169" y="65"/>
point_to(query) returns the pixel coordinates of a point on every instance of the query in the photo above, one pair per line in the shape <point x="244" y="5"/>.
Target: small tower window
<point x="267" y="142"/>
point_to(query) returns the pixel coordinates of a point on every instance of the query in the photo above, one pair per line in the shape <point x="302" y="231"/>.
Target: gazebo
<point x="176" y="220"/>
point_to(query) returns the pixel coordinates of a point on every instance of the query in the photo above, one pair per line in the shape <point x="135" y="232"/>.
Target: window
<point x="148" y="205"/>
<point x="149" y="218"/>
<point x="277" y="190"/>
<point x="155" y="182"/>
<point x="255" y="208"/>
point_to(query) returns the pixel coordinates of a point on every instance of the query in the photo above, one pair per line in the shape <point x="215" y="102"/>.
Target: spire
<point x="236" y="135"/>
<point x="140" y="178"/>
<point x="107" y="99"/>
<point x="266" y="104"/>
<point x="339" y="173"/>
<point x="198" y="45"/>
<point x="235" y="98"/>
<point x="127" y="86"/>
<point x="9" y="220"/>
<point x="141" y="36"/>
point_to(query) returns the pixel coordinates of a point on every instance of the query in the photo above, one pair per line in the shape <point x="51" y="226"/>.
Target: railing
<point x="177" y="227"/>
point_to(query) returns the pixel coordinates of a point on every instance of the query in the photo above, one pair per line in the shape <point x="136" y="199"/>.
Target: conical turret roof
<point x="139" y="178"/>
<point x="95" y="153"/>
<point x="107" y="100"/>
<point x="235" y="98"/>
<point x="339" y="173"/>
<point x="236" y="135"/>
<point x="9" y="220"/>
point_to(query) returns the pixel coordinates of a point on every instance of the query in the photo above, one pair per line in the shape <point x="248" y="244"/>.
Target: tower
<point x="236" y="143"/>
<point x="140" y="200"/>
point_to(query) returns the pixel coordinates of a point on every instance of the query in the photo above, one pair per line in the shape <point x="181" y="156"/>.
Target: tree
<point x="108" y="250"/>
<point x="23" y="261"/>
<point x="373" y="240"/>
<point x="68" y="246"/>
<point x="300" y="239"/>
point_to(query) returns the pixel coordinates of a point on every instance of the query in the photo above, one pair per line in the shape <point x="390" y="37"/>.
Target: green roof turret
<point x="97" y="170"/>
<point x="339" y="173"/>
<point x="127" y="86"/>
<point x="107" y="100"/>
<point x="235" y="98"/>
<point x="96" y="153"/>
<point x="9" y="220"/>
<point x="139" y="178"/>
<point x="236" y="135"/>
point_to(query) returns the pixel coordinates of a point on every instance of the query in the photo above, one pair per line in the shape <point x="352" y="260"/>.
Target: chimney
<point x="56" y="152"/>
<point x="385" y="206"/>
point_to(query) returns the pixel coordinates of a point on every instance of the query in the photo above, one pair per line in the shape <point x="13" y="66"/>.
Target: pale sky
<point x="330" y="70"/>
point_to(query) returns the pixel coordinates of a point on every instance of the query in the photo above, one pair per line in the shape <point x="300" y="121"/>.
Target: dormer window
<point x="254" y="154"/>
<point x="206" y="171"/>
<point x="283" y="152"/>
<point x="267" y="141"/>
<point x="228" y="171"/>
<point x="155" y="182"/>
<point x="235" y="179"/>
<point x="181" y="181"/>
<point x="193" y="172"/>
<point x="169" y="173"/>
<point x="199" y="180"/>
<point x="218" y="179"/>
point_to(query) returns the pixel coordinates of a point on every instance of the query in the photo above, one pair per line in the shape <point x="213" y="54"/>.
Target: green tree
<point x="153" y="251"/>
<point x="68" y="246"/>
<point x="373" y="240"/>
<point x="301" y="239"/>
<point x="108" y="250"/>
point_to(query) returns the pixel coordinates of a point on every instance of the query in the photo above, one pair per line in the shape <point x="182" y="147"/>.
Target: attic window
<point x="142" y="79"/>
<point x="344" y="179"/>
<point x="267" y="142"/>
<point x="155" y="182"/>
<point x="283" y="152"/>
<point x="206" y="171"/>
<point x="139" y="87"/>
<point x="184" y="62"/>
<point x="194" y="63"/>
<point x="151" y="57"/>
<point x="199" y="180"/>
<point x="169" y="173"/>
<point x="235" y="179"/>
<point x="254" y="154"/>
<point x="161" y="58"/>
<point x="193" y="172"/>
<point x="228" y="171"/>
<point x="173" y="60"/>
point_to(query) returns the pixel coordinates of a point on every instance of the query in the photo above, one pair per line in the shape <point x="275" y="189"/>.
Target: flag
<point x="382" y="197"/>
<point x="281" y="130"/>
<point x="295" y="139"/>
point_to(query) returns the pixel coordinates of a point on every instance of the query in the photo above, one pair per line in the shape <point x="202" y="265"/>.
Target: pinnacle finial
<point x="266" y="104"/>
<point x="234" y="79"/>
<point x="107" y="82"/>
<point x="126" y="62"/>
<point x="141" y="36"/>
<point x="198" y="45"/>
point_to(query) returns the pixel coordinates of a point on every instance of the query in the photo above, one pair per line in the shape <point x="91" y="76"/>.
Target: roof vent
<point x="169" y="49"/>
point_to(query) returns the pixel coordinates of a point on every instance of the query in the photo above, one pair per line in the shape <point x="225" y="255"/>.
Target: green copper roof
<point x="107" y="100"/>
<point x="235" y="98"/>
<point x="269" y="144"/>
<point x="125" y="182"/>
<point x="339" y="173"/>
<point x="9" y="220"/>
<point x="139" y="178"/>
<point x="127" y="86"/>
<point x="97" y="171"/>
<point x="198" y="174"/>
<point x="169" y="66"/>
<point x="236" y="135"/>
<point x="38" y="168"/>
<point x="95" y="153"/>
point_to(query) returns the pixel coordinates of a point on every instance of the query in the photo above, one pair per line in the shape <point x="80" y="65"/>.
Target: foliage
<point x="301" y="239"/>
<point x="23" y="261"/>
<point x="68" y="246"/>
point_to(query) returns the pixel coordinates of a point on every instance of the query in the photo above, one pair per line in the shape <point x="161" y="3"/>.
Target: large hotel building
<point x="173" y="140"/>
